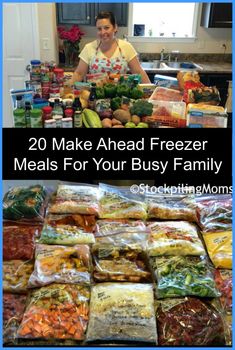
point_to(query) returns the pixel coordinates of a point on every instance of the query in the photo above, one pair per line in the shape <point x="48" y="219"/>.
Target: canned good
<point x="59" y="76"/>
<point x="58" y="120"/>
<point x="36" y="118"/>
<point x="35" y="73"/>
<point x="77" y="118"/>
<point x="49" y="123"/>
<point x="67" y="123"/>
<point x="46" y="89"/>
<point x="19" y="118"/>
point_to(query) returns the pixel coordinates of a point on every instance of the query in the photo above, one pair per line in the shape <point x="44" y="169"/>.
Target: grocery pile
<point x="101" y="265"/>
<point x="114" y="101"/>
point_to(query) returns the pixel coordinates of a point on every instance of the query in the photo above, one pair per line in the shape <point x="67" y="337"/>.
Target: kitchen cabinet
<point x="85" y="13"/>
<point x="216" y="15"/>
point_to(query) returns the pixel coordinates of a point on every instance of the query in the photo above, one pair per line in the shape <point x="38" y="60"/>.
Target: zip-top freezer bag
<point x="25" y="203"/>
<point x="174" y="238"/>
<point x="224" y="283"/>
<point x="61" y="264"/>
<point x="75" y="199"/>
<point x="58" y="311"/>
<point x="120" y="203"/>
<point x="108" y="227"/>
<point x="16" y="274"/>
<point x="85" y="222"/>
<point x="122" y="312"/>
<point x="184" y="276"/>
<point x="189" y="322"/>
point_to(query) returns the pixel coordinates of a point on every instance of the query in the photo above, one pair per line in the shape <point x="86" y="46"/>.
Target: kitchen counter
<point x="207" y="68"/>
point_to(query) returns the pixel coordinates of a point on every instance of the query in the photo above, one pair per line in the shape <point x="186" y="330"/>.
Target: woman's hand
<point x="79" y="73"/>
<point x="136" y="68"/>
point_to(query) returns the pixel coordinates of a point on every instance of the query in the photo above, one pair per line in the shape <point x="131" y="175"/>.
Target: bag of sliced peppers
<point x="25" y="203"/>
<point x="61" y="264"/>
<point x="189" y="322"/>
<point x="58" y="311"/>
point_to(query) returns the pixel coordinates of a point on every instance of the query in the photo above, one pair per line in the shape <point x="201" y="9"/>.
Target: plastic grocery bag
<point x="122" y="312"/>
<point x="13" y="310"/>
<point x="120" y="263"/>
<point x="19" y="241"/>
<point x="80" y="199"/>
<point x="66" y="235"/>
<point x="85" y="222"/>
<point x="189" y="322"/>
<point x="109" y="227"/>
<point x="184" y="275"/>
<point x="223" y="280"/>
<point x="25" y="203"/>
<point x="120" y="203"/>
<point x="60" y="264"/>
<point x="219" y="247"/>
<point x="16" y="274"/>
<point x="171" y="207"/>
<point x="174" y="238"/>
<point x="58" y="311"/>
<point x="214" y="212"/>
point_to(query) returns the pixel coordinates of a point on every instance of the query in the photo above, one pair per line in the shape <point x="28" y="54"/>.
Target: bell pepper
<point x="115" y="103"/>
<point x="123" y="90"/>
<point x="100" y="93"/>
<point x="110" y="90"/>
<point x="136" y="94"/>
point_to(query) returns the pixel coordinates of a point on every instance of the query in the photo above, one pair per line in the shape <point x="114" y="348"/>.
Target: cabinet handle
<point x="88" y="17"/>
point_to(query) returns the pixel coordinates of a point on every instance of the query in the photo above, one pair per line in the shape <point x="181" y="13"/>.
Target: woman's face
<point x="105" y="30"/>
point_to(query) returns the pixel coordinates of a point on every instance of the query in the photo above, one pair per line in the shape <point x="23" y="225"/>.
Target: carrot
<point x="24" y="330"/>
<point x="72" y="330"/>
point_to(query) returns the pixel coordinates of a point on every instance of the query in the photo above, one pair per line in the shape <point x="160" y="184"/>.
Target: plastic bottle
<point x="57" y="109"/>
<point x="19" y="118"/>
<point x="28" y="108"/>
<point x="36" y="118"/>
<point x="92" y="97"/>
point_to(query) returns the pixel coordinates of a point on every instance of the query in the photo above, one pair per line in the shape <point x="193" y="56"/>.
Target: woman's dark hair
<point x="108" y="15"/>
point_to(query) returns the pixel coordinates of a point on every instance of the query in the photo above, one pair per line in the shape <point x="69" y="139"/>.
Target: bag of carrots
<point x="58" y="311"/>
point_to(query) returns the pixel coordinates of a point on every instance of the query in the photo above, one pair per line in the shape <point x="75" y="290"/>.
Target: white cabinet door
<point x="20" y="45"/>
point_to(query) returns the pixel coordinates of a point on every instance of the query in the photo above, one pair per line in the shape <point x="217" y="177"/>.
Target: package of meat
<point x="174" y="238"/>
<point x="122" y="313"/>
<point x="189" y="322"/>
<point x="120" y="263"/>
<point x="166" y="94"/>
<point x="184" y="275"/>
<point x="25" y="203"/>
<point x="223" y="280"/>
<point x="120" y="203"/>
<point x="60" y="264"/>
<point x="171" y="207"/>
<point x="13" y="310"/>
<point x="66" y="235"/>
<point x="58" y="311"/>
<point x="16" y="275"/>
<point x="214" y="212"/>
<point x="79" y="199"/>
<point x="85" y="222"/>
<point x="19" y="241"/>
<point x="110" y="227"/>
<point x="219" y="248"/>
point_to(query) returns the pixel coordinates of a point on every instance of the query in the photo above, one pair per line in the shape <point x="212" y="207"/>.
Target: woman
<point x="108" y="54"/>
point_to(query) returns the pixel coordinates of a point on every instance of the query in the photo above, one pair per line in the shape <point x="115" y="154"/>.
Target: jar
<point x="77" y="119"/>
<point x="59" y="76"/>
<point x="46" y="89"/>
<point x="46" y="113"/>
<point x="58" y="120"/>
<point x="50" y="123"/>
<point x="54" y="90"/>
<point x="67" y="123"/>
<point x="36" y="118"/>
<point x="19" y="118"/>
<point x="35" y="73"/>
<point x="68" y="112"/>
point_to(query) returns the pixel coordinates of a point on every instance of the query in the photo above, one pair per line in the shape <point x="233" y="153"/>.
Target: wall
<point x="209" y="40"/>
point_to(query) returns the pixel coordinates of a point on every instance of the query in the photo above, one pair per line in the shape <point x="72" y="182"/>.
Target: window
<point x="163" y="20"/>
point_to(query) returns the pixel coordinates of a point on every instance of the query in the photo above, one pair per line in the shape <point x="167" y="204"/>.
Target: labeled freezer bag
<point x="19" y="241"/>
<point x="16" y="275"/>
<point x="189" y="322"/>
<point x="85" y="222"/>
<point x="219" y="247"/>
<point x="58" y="311"/>
<point x="174" y="238"/>
<point x="25" y="203"/>
<point x="109" y="227"/>
<point x="13" y="310"/>
<point x="120" y="263"/>
<point x="120" y="203"/>
<point x="65" y="235"/>
<point x="224" y="282"/>
<point x="122" y="312"/>
<point x="184" y="275"/>
<point x="130" y="239"/>
<point x="214" y="212"/>
<point x="60" y="264"/>
<point x="80" y="199"/>
<point x="229" y="325"/>
<point x="171" y="207"/>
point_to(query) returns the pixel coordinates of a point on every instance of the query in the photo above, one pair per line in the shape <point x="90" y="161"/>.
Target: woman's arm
<point x="136" y="68"/>
<point x="79" y="72"/>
